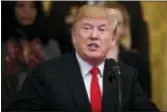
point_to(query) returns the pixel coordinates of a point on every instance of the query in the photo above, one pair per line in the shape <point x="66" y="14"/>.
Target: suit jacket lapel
<point x="76" y="85"/>
<point x="109" y="89"/>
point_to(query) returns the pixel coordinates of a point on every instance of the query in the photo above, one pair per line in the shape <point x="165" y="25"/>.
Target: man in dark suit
<point x="84" y="81"/>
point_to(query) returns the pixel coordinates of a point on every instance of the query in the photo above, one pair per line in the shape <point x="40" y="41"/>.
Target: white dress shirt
<point x="85" y="71"/>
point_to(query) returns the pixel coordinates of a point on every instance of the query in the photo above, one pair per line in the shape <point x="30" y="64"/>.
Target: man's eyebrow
<point x="87" y="24"/>
<point x="102" y="25"/>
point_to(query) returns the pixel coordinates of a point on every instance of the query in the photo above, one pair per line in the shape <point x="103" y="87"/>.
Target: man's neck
<point x="113" y="53"/>
<point x="92" y="62"/>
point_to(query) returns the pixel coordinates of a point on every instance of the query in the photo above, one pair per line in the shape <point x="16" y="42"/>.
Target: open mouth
<point x="93" y="46"/>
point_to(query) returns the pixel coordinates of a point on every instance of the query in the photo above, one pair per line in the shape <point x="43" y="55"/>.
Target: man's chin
<point x="94" y="55"/>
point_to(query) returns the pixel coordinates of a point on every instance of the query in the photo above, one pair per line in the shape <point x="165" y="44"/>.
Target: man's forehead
<point x="98" y="21"/>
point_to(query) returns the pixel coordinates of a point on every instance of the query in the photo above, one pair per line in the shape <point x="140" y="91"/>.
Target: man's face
<point x="92" y="38"/>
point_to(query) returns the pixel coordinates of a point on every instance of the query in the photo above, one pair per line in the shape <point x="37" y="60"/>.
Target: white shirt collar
<point x="86" y="67"/>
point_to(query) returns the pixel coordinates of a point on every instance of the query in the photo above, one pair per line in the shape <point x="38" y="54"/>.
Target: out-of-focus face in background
<point x="92" y="35"/>
<point x="25" y="12"/>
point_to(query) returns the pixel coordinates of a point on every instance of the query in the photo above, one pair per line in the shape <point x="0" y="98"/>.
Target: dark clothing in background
<point x="57" y="85"/>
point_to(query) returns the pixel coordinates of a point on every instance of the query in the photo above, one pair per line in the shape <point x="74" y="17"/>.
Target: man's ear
<point x="73" y="34"/>
<point x="114" y="38"/>
<point x="113" y="43"/>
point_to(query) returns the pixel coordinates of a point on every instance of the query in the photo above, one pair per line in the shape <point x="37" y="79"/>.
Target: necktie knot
<point x="94" y="71"/>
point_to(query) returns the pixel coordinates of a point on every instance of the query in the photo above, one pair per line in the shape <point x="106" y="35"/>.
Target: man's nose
<point x="94" y="34"/>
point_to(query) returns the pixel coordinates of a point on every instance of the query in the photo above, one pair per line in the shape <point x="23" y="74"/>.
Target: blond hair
<point x="122" y="9"/>
<point x="86" y="11"/>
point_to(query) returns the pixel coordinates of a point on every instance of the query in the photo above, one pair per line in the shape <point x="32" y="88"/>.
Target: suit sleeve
<point x="31" y="95"/>
<point x="140" y="101"/>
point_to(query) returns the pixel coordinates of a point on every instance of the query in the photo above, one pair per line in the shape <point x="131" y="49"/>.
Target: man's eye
<point x="102" y="29"/>
<point x="87" y="28"/>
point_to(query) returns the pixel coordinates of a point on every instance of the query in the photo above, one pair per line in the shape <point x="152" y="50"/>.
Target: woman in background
<point x="25" y="43"/>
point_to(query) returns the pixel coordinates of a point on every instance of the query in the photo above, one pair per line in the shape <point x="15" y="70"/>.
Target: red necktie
<point x="95" y="96"/>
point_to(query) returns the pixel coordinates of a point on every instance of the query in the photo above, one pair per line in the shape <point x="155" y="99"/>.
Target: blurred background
<point x="147" y="36"/>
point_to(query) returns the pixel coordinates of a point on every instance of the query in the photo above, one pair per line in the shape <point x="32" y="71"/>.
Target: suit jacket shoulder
<point x="55" y="64"/>
<point x="138" y="98"/>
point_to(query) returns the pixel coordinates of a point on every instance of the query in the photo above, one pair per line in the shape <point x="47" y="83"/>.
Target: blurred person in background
<point x="128" y="56"/>
<point x="25" y="43"/>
